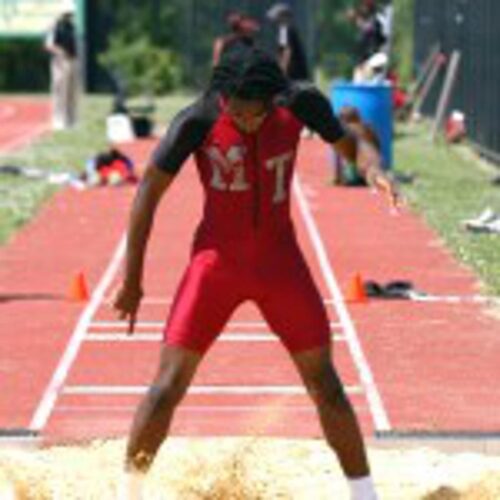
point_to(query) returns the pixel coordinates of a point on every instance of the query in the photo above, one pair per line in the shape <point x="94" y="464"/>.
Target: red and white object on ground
<point x="455" y="129"/>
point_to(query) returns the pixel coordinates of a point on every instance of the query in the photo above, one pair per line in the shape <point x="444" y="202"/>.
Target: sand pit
<point x="244" y="469"/>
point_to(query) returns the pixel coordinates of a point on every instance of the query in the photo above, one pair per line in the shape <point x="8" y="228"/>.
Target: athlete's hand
<point x="126" y="303"/>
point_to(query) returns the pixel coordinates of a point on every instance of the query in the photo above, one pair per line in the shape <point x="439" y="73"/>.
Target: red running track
<point x="21" y="121"/>
<point x="72" y="374"/>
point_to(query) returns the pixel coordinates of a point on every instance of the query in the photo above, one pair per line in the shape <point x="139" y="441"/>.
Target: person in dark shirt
<point x="370" y="37"/>
<point x="242" y="33"/>
<point x="61" y="43"/>
<point x="291" y="54"/>
<point x="243" y="132"/>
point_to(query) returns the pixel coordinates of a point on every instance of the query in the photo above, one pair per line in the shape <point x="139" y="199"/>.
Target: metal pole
<point x="81" y="24"/>
<point x="421" y="78"/>
<point x="444" y="100"/>
<point x="419" y="100"/>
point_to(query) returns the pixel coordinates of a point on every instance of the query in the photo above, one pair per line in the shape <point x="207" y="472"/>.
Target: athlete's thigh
<point x="291" y="303"/>
<point x="205" y="299"/>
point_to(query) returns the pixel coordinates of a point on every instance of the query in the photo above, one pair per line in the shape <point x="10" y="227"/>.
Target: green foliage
<point x="18" y="55"/>
<point x="403" y="39"/>
<point x="144" y="67"/>
<point x="337" y="38"/>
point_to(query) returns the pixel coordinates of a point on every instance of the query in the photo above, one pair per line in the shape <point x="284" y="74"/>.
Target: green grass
<point x="21" y="198"/>
<point x="452" y="184"/>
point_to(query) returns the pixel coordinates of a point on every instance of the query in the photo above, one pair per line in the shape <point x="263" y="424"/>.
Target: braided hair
<point x="248" y="73"/>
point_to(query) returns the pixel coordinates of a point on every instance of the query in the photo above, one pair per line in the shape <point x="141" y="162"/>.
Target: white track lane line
<point x="105" y="325"/>
<point x="380" y="417"/>
<point x="182" y="408"/>
<point x="191" y="408"/>
<point x="233" y="390"/>
<point x="157" y="337"/>
<point x="165" y="301"/>
<point x="49" y="398"/>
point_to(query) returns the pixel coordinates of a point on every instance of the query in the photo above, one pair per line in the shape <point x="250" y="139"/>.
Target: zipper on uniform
<point x="256" y="190"/>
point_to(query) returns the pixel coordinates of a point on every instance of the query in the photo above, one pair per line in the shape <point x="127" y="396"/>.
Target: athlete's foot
<point x="131" y="487"/>
<point x="363" y="489"/>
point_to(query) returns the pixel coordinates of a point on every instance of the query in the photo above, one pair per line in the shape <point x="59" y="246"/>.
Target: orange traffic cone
<point x="78" y="291"/>
<point x="355" y="292"/>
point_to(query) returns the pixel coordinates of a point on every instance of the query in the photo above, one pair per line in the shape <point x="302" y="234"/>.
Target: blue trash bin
<point x="374" y="102"/>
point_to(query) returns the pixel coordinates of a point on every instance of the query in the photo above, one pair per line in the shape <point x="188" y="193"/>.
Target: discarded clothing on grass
<point x="51" y="177"/>
<point x="488" y="221"/>
<point x="110" y="168"/>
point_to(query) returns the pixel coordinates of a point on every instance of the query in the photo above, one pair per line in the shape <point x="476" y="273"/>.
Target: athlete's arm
<point x="153" y="185"/>
<point x="184" y="136"/>
<point x="368" y="162"/>
<point x="314" y="110"/>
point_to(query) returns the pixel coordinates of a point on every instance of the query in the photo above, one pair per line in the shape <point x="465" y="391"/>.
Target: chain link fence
<point x="471" y="27"/>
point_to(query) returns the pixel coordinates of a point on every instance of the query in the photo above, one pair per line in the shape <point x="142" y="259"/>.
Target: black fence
<point x="473" y="28"/>
<point x="198" y="22"/>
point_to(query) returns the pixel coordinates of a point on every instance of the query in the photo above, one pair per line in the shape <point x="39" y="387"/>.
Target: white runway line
<point x="157" y="337"/>
<point x="105" y="325"/>
<point x="168" y="300"/>
<point x="186" y="408"/>
<point x="230" y="390"/>
<point x="210" y="409"/>
<point x="380" y="417"/>
<point x="49" y="398"/>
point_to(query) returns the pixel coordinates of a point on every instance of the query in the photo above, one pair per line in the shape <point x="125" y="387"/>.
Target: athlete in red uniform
<point x="244" y="132"/>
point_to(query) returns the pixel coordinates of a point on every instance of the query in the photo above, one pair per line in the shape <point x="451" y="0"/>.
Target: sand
<point x="245" y="469"/>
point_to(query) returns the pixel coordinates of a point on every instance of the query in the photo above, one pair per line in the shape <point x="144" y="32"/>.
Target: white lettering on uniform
<point x="232" y="162"/>
<point x="279" y="163"/>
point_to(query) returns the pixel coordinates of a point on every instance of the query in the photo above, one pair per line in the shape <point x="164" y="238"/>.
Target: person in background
<point x="373" y="70"/>
<point x="291" y="53"/>
<point x="244" y="132"/>
<point x="345" y="172"/>
<point x="61" y="43"/>
<point x="242" y="33"/>
<point x="385" y="17"/>
<point x="370" y="37"/>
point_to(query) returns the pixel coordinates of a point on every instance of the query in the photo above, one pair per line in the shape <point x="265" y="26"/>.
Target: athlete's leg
<point x="336" y="415"/>
<point x="294" y="309"/>
<point x="152" y="419"/>
<point x="205" y="299"/>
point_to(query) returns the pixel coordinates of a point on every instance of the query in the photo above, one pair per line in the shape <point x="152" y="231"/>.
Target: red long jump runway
<point x="408" y="366"/>
<point x="247" y="384"/>
<point x="22" y="120"/>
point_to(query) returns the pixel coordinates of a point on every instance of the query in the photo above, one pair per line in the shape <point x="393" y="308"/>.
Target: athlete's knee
<point x="325" y="388"/>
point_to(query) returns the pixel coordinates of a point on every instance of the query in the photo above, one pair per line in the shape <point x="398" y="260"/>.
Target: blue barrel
<point x="374" y="102"/>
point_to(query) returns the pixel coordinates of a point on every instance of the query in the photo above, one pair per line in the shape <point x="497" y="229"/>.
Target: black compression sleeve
<point x="185" y="135"/>
<point x="313" y="109"/>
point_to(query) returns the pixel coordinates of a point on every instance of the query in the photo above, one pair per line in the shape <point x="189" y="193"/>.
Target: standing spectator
<point x="385" y="17"/>
<point x="242" y="35"/>
<point x="291" y="53"/>
<point x="61" y="43"/>
<point x="370" y="38"/>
